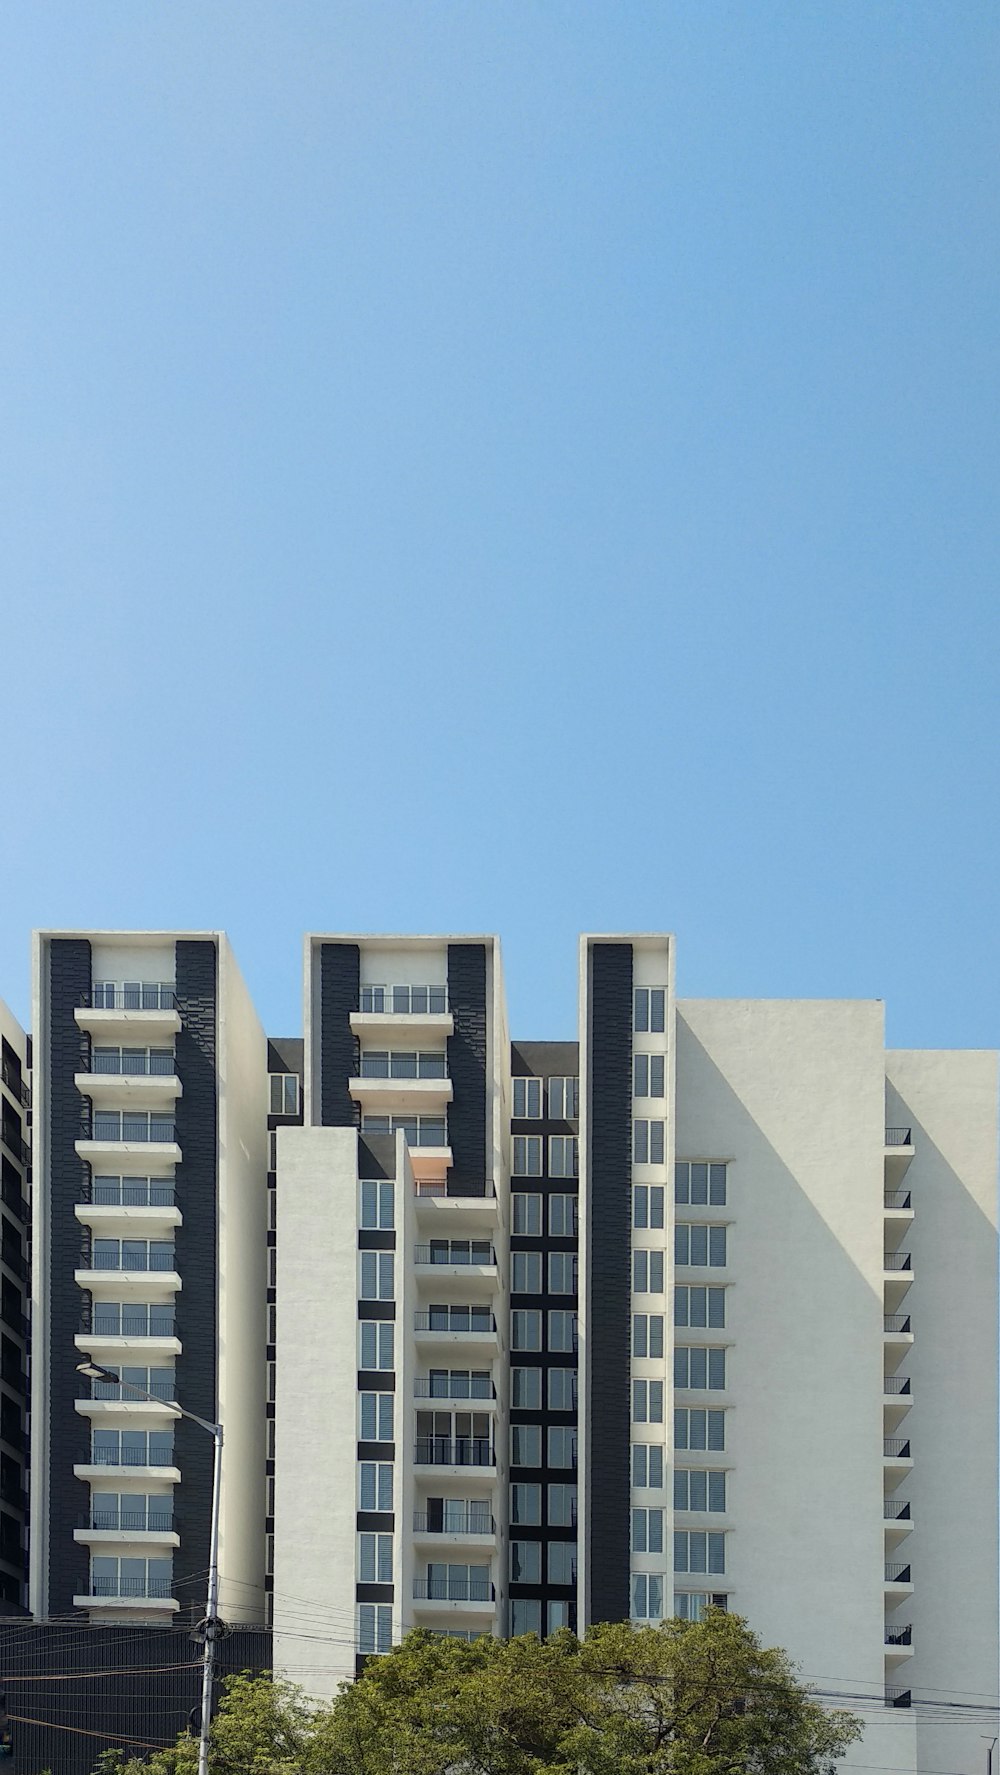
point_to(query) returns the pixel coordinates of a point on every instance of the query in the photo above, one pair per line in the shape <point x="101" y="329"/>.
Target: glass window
<point x="563" y="1155"/>
<point x="648" y="1142"/>
<point x="376" y="1340"/>
<point x="699" y="1246"/>
<point x="563" y="1217"/>
<point x="525" y="1329"/>
<point x="647" y="1334"/>
<point x="559" y="1614"/>
<point x="284" y="1098"/>
<point x="564" y="1099"/>
<point x="526" y="1215"/>
<point x="375" y="1486"/>
<point x="700" y="1307"/>
<point x="374" y="1628"/>
<point x="700" y="1182"/>
<point x="562" y="1331"/>
<point x="526" y="1445"/>
<point x="647" y="1466"/>
<point x="525" y="1503"/>
<point x="647" y="1531"/>
<point x="647" y="1272"/>
<point x="647" y="1205"/>
<point x="562" y="1562"/>
<point x="527" y="1155"/>
<point x="700" y="1368"/>
<point x="376" y="1275"/>
<point x="375" y="1559"/>
<point x="526" y="1562"/>
<point x="647" y="1597"/>
<point x="562" y="1506"/>
<point x="376" y="1203"/>
<point x="525" y="1615"/>
<point x="699" y="1550"/>
<point x="562" y="1272"/>
<point x="647" y="1075"/>
<point x="562" y="1445"/>
<point x="526" y="1272"/>
<point x="647" y="1402"/>
<point x="527" y="1099"/>
<point x="650" y="1010"/>
<point x="697" y="1488"/>
<point x="526" y="1389"/>
<point x="375" y="1416"/>
<point x="699" y="1429"/>
<point x="690" y="1605"/>
<point x="562" y="1389"/>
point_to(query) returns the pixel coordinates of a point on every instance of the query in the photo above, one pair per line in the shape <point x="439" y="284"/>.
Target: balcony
<point x="16" y="1145"/>
<point x="107" y="1219"/>
<point x="453" y="1328"/>
<point x="145" y="1010"/>
<point x="124" y="1594"/>
<point x="455" y="1386"/>
<point x="402" y="1079"/>
<point x="109" y="1528"/>
<point x="898" y="1213"/>
<point x="897" y="1459"/>
<point x="116" y="1403"/>
<point x="15" y="1261"/>
<point x="445" y="1213"/>
<point x="413" y="1010"/>
<point x="468" y="1266"/>
<point x="118" y="1134"/>
<point x="897" y="1336"/>
<point x="460" y="1451"/>
<point x="105" y="1088"/>
<point x="899" y="1638"/>
<point x="898" y="1583"/>
<point x="105" y="1344"/>
<point x="452" y="1596"/>
<point x="898" y="1152"/>
<point x="15" y="1084"/>
<point x="897" y="1398"/>
<point x="897" y="1275"/>
<point x="897" y="1697"/>
<point x="467" y="1528"/>
<point x="129" y="1281"/>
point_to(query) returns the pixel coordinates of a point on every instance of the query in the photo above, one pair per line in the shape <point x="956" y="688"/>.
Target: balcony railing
<point x="899" y="1636"/>
<point x="899" y="1137"/>
<point x="898" y="1198"/>
<point x="134" y="1521"/>
<point x="463" y="1451"/>
<point x="452" y="1387"/>
<point x="452" y="1590"/>
<point x="165" y="1390"/>
<point x="455" y="1254"/>
<point x="15" y="1496"/>
<point x="896" y="1448"/>
<point x="11" y="1195"/>
<point x="13" y="1141"/>
<point x="897" y="1260"/>
<point x="897" y="1574"/>
<point x="896" y="1383"/>
<point x="13" y="1374"/>
<point x="15" y="1083"/>
<point x="404" y="1001"/>
<point x="896" y="1509"/>
<point x="117" y="1125"/>
<point x="148" y="1063"/>
<point x="131" y="1457"/>
<point x="459" y="1319"/>
<point x="130" y="1192"/>
<point x="12" y="1434"/>
<point x="898" y="1322"/>
<point x="16" y="1261"/>
<point x="13" y="1320"/>
<point x="897" y="1697"/>
<point x="145" y="995"/>
<point x="137" y="1324"/>
<point x="153" y="1587"/>
<point x="132" y="1260"/>
<point x="438" y="1187"/>
<point x="469" y="1522"/>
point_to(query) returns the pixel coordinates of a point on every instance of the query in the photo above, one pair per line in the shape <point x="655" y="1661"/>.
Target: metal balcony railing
<point x="130" y="1192"/>
<point x="12" y="1434"/>
<point x="454" y="1387"/>
<point x="404" y="1001"/>
<point x="898" y="1198"/>
<point x="13" y="1494"/>
<point x="896" y="1447"/>
<point x="145" y="995"/>
<point x="392" y="1065"/>
<point x="141" y="1064"/>
<point x="13" y="1374"/>
<point x="11" y="1195"/>
<point x="453" y="1590"/>
<point x="897" y="1574"/>
<point x="456" y="1254"/>
<point x="896" y="1322"/>
<point x="132" y="1260"/>
<point x="15" y="1083"/>
<point x="896" y="1509"/>
<point x="899" y="1137"/>
<point x="899" y="1636"/>
<point x="15" y="1144"/>
<point x="897" y="1697"/>
<point x="16" y="1261"/>
<point x="131" y="1457"/>
<point x="896" y="1383"/>
<point x="460" y="1451"/>
<point x="436" y="1187"/>
<point x="152" y="1587"/>
<point x="458" y="1319"/>
<point x="897" y="1260"/>
<point x="469" y="1522"/>
<point x="165" y="1390"/>
<point x="120" y="1125"/>
<point x="14" y="1320"/>
<point x="131" y="1521"/>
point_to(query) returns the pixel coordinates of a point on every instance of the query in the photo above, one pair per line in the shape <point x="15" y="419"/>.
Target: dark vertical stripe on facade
<point x="69" y="1433"/>
<point x="609" y="1296"/>
<point x="471" y="1165"/>
<point x="196" y="1243"/>
<point x="340" y="994"/>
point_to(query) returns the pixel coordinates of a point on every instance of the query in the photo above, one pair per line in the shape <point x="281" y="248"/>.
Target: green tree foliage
<point x="686" y="1698"/>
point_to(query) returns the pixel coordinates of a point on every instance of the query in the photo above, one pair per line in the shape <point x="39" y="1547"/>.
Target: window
<point x="133" y="1192"/>
<point x="526" y="1562"/>
<point x="562" y="1562"/>
<point x="378" y="1064"/>
<point x="647" y="1597"/>
<point x="648" y="1142"/>
<point x="647" y="1402"/>
<point x="525" y="1503"/>
<point x="458" y="1383"/>
<point x="131" y="1510"/>
<point x="375" y="1559"/>
<point x="647" y="1334"/>
<point x="650" y="1010"/>
<point x="526" y="1272"/>
<point x="375" y="1486"/>
<point x="699" y="1429"/>
<point x="562" y="1446"/>
<point x="284" y="1098"/>
<point x="564" y="1099"/>
<point x="375" y="1337"/>
<point x="525" y="1615"/>
<point x="562" y="1389"/>
<point x="374" y="1628"/>
<point x="527" y="1099"/>
<point x="132" y="1448"/>
<point x="647" y="1466"/>
<point x="376" y="1275"/>
<point x="562" y="1272"/>
<point x="698" y="1550"/>
<point x="405" y="1001"/>
<point x="526" y="1445"/>
<point x="562" y="1506"/>
<point x="564" y="1217"/>
<point x="697" y="1182"/>
<point x="527" y="1155"/>
<point x="419" y="1130"/>
<point x="700" y="1306"/>
<point x="526" y="1389"/>
<point x="137" y="1062"/>
<point x="132" y="1319"/>
<point x="563" y="1155"/>
<point x="132" y="1124"/>
<point x="526" y="1212"/>
<point x="700" y="1368"/>
<point x="647" y="1205"/>
<point x="647" y="1272"/>
<point x="525" y="1330"/>
<point x="690" y="1605"/>
<point x="696" y="1488"/>
<point x="647" y="1531"/>
<point x="132" y="1254"/>
<point x="562" y="1331"/>
<point x="699" y="1246"/>
<point x="647" y="1075"/>
<point x="110" y="1576"/>
<point x="376" y="1203"/>
<point x="375" y="1417"/>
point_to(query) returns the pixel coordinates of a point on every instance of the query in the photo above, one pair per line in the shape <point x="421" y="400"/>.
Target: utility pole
<point x="211" y="1624"/>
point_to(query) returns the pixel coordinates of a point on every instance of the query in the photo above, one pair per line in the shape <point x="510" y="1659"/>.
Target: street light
<point x="95" y="1372"/>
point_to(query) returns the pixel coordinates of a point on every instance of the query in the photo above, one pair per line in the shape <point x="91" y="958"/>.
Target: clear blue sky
<point x="507" y="466"/>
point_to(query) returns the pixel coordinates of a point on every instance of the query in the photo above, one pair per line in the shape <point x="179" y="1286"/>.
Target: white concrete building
<point x="149" y="1234"/>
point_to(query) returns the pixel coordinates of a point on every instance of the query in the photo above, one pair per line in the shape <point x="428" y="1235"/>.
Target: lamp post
<point x="95" y="1372"/>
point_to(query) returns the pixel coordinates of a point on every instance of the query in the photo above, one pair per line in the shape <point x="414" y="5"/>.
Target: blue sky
<point x="507" y="466"/>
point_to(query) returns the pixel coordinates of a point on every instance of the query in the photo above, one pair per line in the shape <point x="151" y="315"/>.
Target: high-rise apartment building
<point x="149" y="1237"/>
<point x="15" y="1104"/>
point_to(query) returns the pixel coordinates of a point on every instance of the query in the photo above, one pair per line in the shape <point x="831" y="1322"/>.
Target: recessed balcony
<point x="105" y="1147"/>
<point x="897" y="1208"/>
<point x="95" y="1471"/>
<point x="465" y="1266"/>
<point x="108" y="1411"/>
<point x="410" y="1011"/>
<point x="898" y="1583"/>
<point x="111" y="1529"/>
<point x="469" y="1528"/>
<point x="439" y="1212"/>
<point x="116" y="1346"/>
<point x="107" y="1218"/>
<point x="897" y="1397"/>
<point x="898" y="1520"/>
<point x="138" y="1090"/>
<point x="143" y="1010"/>
<point x="897" y="1275"/>
<point x="395" y="1079"/>
<point x="897" y="1459"/>
<point x="448" y="1328"/>
<point x="138" y="1604"/>
<point x="130" y="1282"/>
<point x="898" y="1152"/>
<point x="897" y="1337"/>
<point x="898" y="1644"/>
<point x="445" y="1597"/>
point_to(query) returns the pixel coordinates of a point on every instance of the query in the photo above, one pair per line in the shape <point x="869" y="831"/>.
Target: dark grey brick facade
<point x="467" y="1127"/>
<point x="340" y="994"/>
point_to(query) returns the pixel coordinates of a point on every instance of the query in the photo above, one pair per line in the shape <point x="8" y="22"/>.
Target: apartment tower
<point x="15" y="1160"/>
